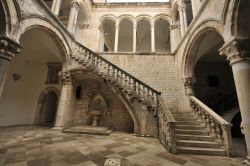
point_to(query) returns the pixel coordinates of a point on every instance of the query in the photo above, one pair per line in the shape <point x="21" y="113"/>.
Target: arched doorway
<point x="48" y="109"/>
<point x="29" y="74"/>
<point x="214" y="78"/>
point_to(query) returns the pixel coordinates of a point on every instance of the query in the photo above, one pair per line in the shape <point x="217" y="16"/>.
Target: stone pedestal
<point x="65" y="111"/>
<point x="8" y="48"/>
<point x="238" y="53"/>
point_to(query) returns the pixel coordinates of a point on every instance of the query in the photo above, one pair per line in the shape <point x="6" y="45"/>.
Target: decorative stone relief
<point x="65" y="77"/>
<point x="236" y="50"/>
<point x="8" y="48"/>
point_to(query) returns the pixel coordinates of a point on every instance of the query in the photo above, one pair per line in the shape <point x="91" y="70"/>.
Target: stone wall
<point x="116" y="117"/>
<point x="157" y="71"/>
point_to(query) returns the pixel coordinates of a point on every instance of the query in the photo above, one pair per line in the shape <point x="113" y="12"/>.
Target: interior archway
<point x="28" y="75"/>
<point x="214" y="78"/>
<point x="125" y="41"/>
<point x="162" y="36"/>
<point x="143" y="36"/>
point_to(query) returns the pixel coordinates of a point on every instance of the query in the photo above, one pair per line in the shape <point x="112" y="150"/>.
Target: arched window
<point x="125" y="41"/>
<point x="107" y="36"/>
<point x="143" y="36"/>
<point x="162" y="36"/>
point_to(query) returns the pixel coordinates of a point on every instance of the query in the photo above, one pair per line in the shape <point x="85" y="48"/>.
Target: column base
<point x="246" y="162"/>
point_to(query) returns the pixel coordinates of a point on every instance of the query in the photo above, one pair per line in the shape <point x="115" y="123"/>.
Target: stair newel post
<point x="227" y="137"/>
<point x="218" y="134"/>
<point x="122" y="80"/>
<point x="149" y="97"/>
<point x="145" y="93"/>
<point x="114" y="75"/>
<point x="130" y="85"/>
<point x="134" y="88"/>
<point x="126" y="80"/>
<point x="212" y="125"/>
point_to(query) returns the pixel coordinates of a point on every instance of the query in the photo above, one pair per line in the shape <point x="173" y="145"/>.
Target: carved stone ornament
<point x="65" y="77"/>
<point x="174" y="26"/>
<point x="8" y="48"/>
<point x="189" y="82"/>
<point x="236" y="50"/>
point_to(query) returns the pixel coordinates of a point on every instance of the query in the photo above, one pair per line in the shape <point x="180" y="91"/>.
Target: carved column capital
<point x="65" y="77"/>
<point x="174" y="26"/>
<point x="189" y="83"/>
<point x="236" y="50"/>
<point x="75" y="4"/>
<point x="8" y="48"/>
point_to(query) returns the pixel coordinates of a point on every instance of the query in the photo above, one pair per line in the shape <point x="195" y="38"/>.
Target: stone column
<point x="134" y="36"/>
<point x="65" y="111"/>
<point x="238" y="53"/>
<point x="174" y="36"/>
<point x="183" y="19"/>
<point x="189" y="83"/>
<point x="8" y="48"/>
<point x="152" y="36"/>
<point x="56" y="6"/>
<point x="194" y="7"/>
<point x="73" y="16"/>
<point x="116" y="36"/>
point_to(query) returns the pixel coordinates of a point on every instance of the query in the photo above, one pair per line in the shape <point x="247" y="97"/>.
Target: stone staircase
<point x="192" y="137"/>
<point x="200" y="131"/>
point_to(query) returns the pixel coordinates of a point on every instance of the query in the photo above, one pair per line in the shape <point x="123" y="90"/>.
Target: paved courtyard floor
<point x="36" y="146"/>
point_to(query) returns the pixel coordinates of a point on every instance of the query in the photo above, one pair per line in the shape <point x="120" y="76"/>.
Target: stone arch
<point x="144" y="17"/>
<point x="107" y="17"/>
<point x="162" y="16"/>
<point x="41" y="98"/>
<point x="11" y="17"/>
<point x="127" y="17"/>
<point x="45" y="25"/>
<point x="188" y="60"/>
<point x="240" y="27"/>
<point x="137" y="126"/>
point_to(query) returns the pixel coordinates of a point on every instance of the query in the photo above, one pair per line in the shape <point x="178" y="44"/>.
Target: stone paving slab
<point x="41" y="146"/>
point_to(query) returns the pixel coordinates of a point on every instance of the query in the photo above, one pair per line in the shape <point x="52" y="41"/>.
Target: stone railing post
<point x="226" y="129"/>
<point x="189" y="83"/>
<point x="56" y="6"/>
<point x="8" y="48"/>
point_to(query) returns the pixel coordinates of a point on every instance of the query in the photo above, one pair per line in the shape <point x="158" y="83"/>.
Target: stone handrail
<point x="115" y="74"/>
<point x="166" y="126"/>
<point x="219" y="128"/>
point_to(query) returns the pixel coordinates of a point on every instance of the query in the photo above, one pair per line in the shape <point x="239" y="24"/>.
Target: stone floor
<point x="35" y="146"/>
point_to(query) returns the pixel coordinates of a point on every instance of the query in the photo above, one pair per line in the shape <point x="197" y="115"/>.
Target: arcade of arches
<point x="178" y="71"/>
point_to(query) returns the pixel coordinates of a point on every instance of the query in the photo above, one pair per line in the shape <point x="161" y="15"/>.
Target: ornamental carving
<point x="65" y="77"/>
<point x="174" y="26"/>
<point x="236" y="50"/>
<point x="8" y="47"/>
<point x="189" y="82"/>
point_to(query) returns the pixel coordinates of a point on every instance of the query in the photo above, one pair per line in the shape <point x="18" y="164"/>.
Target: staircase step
<point x="202" y="144"/>
<point x="185" y="119"/>
<point x="189" y="127"/>
<point x="191" y="132"/>
<point x="201" y="151"/>
<point x="187" y="123"/>
<point x="194" y="137"/>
